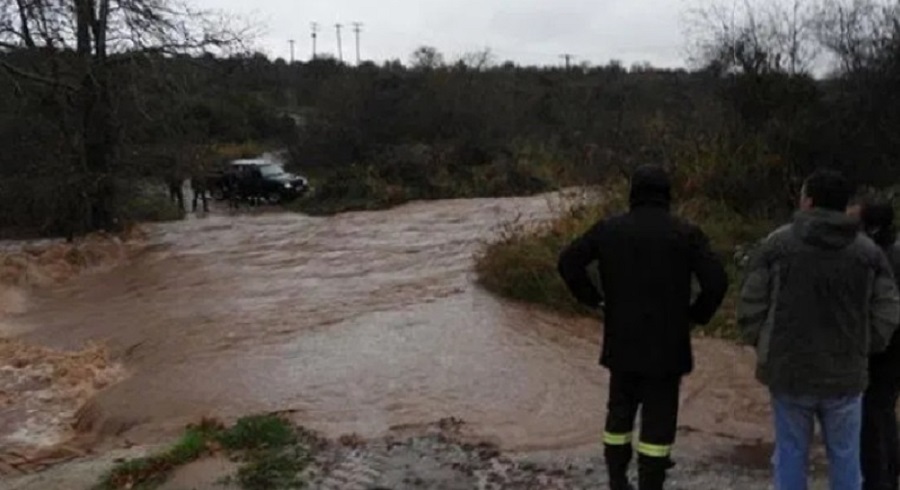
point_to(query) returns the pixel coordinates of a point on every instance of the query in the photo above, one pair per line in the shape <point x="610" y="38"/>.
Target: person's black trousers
<point x="880" y="454"/>
<point x="657" y="400"/>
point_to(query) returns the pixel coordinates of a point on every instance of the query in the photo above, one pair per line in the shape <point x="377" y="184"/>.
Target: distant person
<point x="647" y="259"/>
<point x="231" y="188"/>
<point x="200" y="191"/>
<point x="879" y="428"/>
<point x="176" y="190"/>
<point x="818" y="298"/>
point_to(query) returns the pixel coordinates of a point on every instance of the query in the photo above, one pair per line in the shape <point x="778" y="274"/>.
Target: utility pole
<point x="568" y="57"/>
<point x="338" y="28"/>
<point x="315" y="35"/>
<point x="291" y="42"/>
<point x="357" y="29"/>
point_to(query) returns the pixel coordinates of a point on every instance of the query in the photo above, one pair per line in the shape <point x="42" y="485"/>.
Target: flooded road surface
<point x="358" y="324"/>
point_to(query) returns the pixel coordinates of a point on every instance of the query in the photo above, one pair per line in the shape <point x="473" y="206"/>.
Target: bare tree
<point x="794" y="35"/>
<point x="478" y="60"/>
<point x="427" y="57"/>
<point x="856" y="32"/>
<point x="754" y="37"/>
<point x="73" y="47"/>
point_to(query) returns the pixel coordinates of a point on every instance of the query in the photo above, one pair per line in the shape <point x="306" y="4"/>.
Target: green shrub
<point x="521" y="263"/>
<point x="420" y="172"/>
<point x="257" y="432"/>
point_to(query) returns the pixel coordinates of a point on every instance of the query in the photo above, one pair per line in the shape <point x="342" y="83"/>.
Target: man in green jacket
<point x="819" y="297"/>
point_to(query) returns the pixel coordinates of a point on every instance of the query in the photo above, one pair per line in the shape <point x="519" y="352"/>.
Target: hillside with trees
<point x="119" y="94"/>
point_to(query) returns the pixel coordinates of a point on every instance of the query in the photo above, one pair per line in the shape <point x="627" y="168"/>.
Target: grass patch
<point x="150" y="472"/>
<point x="521" y="263"/>
<point x="273" y="452"/>
<point x="258" y="432"/>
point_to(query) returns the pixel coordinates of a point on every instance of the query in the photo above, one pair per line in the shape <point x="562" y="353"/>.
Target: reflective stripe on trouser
<point x="656" y="399"/>
<point x="612" y="439"/>
<point x="654" y="450"/>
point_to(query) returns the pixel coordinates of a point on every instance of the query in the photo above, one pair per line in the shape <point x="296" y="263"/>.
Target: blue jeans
<point x="841" y="421"/>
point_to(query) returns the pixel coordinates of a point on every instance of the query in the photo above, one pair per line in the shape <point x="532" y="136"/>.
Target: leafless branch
<point x="122" y="25"/>
<point x="25" y="31"/>
<point x="755" y="37"/>
<point x="855" y="31"/>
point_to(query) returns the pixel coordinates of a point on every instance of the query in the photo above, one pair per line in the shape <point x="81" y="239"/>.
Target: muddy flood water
<point x="360" y="323"/>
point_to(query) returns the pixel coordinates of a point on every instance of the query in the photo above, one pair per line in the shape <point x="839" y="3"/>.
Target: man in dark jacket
<point x="818" y="298"/>
<point x="880" y="443"/>
<point x="647" y="259"/>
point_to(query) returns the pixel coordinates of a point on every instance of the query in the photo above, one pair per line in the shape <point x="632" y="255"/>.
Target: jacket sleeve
<point x="756" y="296"/>
<point x="884" y="307"/>
<point x="573" y="264"/>
<point x="711" y="275"/>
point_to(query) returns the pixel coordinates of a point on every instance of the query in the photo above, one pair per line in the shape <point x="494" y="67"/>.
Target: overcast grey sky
<point x="526" y="31"/>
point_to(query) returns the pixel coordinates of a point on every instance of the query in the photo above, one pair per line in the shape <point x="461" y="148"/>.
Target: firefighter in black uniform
<point x="646" y="259"/>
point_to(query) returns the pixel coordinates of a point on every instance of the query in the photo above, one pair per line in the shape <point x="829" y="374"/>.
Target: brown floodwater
<point x="359" y="323"/>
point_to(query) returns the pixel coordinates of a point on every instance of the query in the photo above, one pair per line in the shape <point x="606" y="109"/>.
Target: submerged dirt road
<point x="360" y="323"/>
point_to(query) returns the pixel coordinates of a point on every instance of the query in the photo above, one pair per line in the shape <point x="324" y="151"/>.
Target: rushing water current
<point x="357" y="324"/>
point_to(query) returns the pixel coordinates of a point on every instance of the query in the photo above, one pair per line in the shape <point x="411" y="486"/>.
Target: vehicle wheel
<point x="218" y="194"/>
<point x="274" y="198"/>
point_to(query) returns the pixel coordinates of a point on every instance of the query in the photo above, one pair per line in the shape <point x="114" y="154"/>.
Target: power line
<point x="357" y="29"/>
<point x="338" y="28"/>
<point x="315" y="34"/>
<point x="568" y="57"/>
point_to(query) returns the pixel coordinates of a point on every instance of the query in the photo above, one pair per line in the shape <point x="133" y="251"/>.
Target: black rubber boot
<point x="617" y="460"/>
<point x="652" y="472"/>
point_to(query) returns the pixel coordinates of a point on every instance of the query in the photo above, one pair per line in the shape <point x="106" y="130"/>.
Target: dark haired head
<point x="826" y="189"/>
<point x="878" y="223"/>
<point x="650" y="184"/>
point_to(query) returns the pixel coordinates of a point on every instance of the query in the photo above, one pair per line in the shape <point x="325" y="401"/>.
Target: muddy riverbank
<point x="436" y="457"/>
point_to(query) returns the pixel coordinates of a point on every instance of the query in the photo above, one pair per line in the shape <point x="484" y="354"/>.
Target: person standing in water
<point x="647" y="258"/>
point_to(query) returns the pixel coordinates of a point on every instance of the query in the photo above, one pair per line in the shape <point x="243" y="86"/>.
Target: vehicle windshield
<point x="271" y="170"/>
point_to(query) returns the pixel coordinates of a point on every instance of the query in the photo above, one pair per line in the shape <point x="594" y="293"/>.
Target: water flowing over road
<point x="358" y="323"/>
